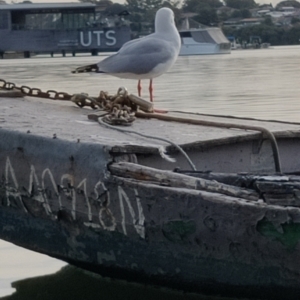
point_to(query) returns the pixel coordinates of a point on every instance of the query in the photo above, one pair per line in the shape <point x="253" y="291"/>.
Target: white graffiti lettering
<point x="46" y="203"/>
<point x="104" y="210"/>
<point x="40" y="198"/>
<point x="137" y="224"/>
<point x="83" y="184"/>
<point x="40" y="191"/>
<point x="140" y="226"/>
<point x="33" y="180"/>
<point x="12" y="191"/>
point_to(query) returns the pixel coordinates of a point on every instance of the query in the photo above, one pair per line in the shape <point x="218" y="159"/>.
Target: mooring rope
<point x="151" y="137"/>
<point x="263" y="130"/>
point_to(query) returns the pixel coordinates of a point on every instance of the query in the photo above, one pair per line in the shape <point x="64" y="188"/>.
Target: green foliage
<point x="295" y="20"/>
<point x="143" y="5"/>
<point x="197" y="5"/>
<point x="268" y="34"/>
<point x="241" y="13"/>
<point x="207" y="16"/>
<point x="142" y="13"/>
<point x="205" y="10"/>
<point x="102" y="2"/>
<point x="291" y="37"/>
<point x="240" y="4"/>
<point x="268" y="21"/>
<point x="236" y="14"/>
<point x="246" y="13"/>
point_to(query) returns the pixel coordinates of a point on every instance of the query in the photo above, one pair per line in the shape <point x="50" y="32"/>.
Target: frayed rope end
<point x="164" y="155"/>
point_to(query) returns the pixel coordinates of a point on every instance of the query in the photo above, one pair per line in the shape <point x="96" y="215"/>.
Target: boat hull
<point x="58" y="198"/>
<point x="204" y="41"/>
<point x="203" y="49"/>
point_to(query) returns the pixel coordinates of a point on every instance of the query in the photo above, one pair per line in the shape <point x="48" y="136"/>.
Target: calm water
<point x="249" y="83"/>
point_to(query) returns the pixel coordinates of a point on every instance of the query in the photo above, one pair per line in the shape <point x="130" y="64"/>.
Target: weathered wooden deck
<point x="64" y="119"/>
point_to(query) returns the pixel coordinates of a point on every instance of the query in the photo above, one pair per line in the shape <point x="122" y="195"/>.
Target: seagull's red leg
<point x="151" y="99"/>
<point x="151" y="90"/>
<point x="139" y="88"/>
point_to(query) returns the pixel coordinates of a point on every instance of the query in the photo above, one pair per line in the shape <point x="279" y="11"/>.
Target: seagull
<point x="144" y="58"/>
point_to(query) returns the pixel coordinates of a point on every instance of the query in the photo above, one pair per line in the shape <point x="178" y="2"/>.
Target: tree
<point x="246" y="13"/>
<point x="295" y="21"/>
<point x="205" y="10"/>
<point x="292" y="36"/>
<point x="194" y="5"/>
<point x="241" y="4"/>
<point x="115" y="9"/>
<point x="102" y="2"/>
<point x="207" y="16"/>
<point x="236" y="14"/>
<point x="143" y="5"/>
<point x="268" y="21"/>
<point x="142" y="14"/>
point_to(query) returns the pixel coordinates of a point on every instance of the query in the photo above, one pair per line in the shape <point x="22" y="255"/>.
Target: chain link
<point x="120" y="108"/>
<point x="35" y="92"/>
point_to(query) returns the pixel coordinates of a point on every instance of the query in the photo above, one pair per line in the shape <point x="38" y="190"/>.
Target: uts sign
<point x="98" y="38"/>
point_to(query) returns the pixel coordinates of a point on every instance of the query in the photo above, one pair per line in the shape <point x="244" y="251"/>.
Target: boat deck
<point x="63" y="179"/>
<point x="64" y="120"/>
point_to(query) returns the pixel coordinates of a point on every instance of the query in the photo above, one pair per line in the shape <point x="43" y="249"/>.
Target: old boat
<point x="59" y="28"/>
<point x="197" y="39"/>
<point x="109" y="201"/>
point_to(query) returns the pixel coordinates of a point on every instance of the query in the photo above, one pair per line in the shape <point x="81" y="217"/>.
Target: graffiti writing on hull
<point x="91" y="205"/>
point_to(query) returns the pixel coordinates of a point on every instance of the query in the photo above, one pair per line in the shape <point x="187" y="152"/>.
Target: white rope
<point x="152" y="137"/>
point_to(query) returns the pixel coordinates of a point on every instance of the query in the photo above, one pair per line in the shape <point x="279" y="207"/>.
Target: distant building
<point x="287" y="9"/>
<point x="240" y="22"/>
<point x="59" y="27"/>
<point x="250" y="21"/>
<point x="263" y="12"/>
<point x="232" y="22"/>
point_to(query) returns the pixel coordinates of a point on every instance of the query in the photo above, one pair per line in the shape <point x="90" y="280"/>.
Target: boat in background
<point x="235" y="45"/>
<point x="200" y="40"/>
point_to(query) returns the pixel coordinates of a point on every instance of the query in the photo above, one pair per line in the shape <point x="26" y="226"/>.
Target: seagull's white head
<point x="164" y="20"/>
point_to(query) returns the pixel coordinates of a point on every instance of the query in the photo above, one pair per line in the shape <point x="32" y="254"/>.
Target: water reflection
<point x="76" y="284"/>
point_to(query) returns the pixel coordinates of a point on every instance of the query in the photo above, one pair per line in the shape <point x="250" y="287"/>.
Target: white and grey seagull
<point x="144" y="58"/>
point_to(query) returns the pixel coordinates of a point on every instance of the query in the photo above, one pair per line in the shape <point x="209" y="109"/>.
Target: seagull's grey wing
<point x="129" y="43"/>
<point x="139" y="57"/>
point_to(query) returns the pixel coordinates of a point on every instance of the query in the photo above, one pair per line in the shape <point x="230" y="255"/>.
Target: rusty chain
<point x="35" y="92"/>
<point x="120" y="109"/>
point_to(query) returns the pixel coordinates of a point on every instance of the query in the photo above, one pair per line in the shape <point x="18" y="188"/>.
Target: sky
<point x="274" y="2"/>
